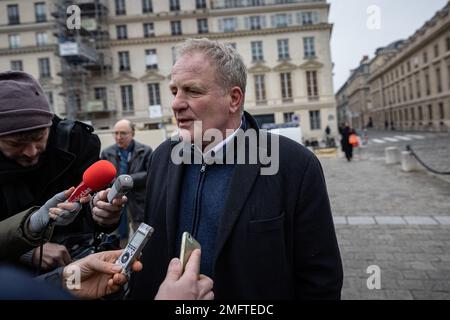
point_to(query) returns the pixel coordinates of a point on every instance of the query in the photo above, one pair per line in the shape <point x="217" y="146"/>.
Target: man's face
<point x="123" y="134"/>
<point x="23" y="149"/>
<point x="198" y="96"/>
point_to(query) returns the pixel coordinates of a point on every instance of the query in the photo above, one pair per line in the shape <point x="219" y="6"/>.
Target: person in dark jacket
<point x="129" y="157"/>
<point x="42" y="155"/>
<point x="265" y="227"/>
<point x="347" y="147"/>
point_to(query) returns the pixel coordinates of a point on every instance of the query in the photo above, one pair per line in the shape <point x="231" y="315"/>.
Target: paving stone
<point x="420" y="220"/>
<point x="398" y="294"/>
<point x="390" y="220"/>
<point x="443" y="220"/>
<point x="360" y="220"/>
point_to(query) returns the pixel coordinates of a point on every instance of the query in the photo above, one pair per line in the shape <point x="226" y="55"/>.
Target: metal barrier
<point x="408" y="148"/>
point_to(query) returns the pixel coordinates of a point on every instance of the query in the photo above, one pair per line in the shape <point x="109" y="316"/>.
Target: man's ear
<point x="237" y="98"/>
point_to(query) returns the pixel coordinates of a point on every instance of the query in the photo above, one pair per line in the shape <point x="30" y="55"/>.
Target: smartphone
<point x="134" y="247"/>
<point x="188" y="244"/>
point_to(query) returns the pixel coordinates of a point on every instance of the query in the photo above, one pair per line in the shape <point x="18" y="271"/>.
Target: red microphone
<point x="96" y="177"/>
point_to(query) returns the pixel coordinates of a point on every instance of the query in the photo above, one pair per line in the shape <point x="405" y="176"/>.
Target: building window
<point x="413" y="114"/>
<point x="283" y="49"/>
<point x="174" y="5"/>
<point x="309" y="18"/>
<point x="418" y="86"/>
<point x="312" y="87"/>
<point x="202" y="25"/>
<point x="149" y="30"/>
<point x="200" y="4"/>
<point x="147" y="6"/>
<point x="120" y="7"/>
<point x="260" y="88"/>
<point x="41" y="38"/>
<point x="16" y="65"/>
<point x="425" y="57"/>
<point x="100" y="95"/>
<point x="404" y="93"/>
<point x="410" y="85"/>
<point x="420" y="113"/>
<point x="44" y="67"/>
<point x="286" y="85"/>
<point x="406" y="115"/>
<point x="153" y="94"/>
<point x="408" y="66"/>
<point x="127" y="98"/>
<point x="122" y="32"/>
<point x="448" y="73"/>
<point x="175" y="27"/>
<point x="257" y="51"/>
<point x="151" y="59"/>
<point x="14" y="41"/>
<point x="40" y="12"/>
<point x="124" y="61"/>
<point x="13" y="14"/>
<point x="308" y="47"/>
<point x="441" y="111"/>
<point x="49" y="95"/>
<point x="287" y="116"/>
<point x="281" y="20"/>
<point x="430" y="112"/>
<point x="438" y="80"/>
<point x="436" y="50"/>
<point x="427" y="83"/>
<point x="314" y="119"/>
<point x="227" y="24"/>
<point x="254" y="22"/>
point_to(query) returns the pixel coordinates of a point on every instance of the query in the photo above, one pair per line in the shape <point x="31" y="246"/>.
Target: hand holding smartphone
<point x="188" y="244"/>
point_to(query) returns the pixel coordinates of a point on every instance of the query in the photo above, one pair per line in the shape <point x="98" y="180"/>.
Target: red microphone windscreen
<point x="99" y="175"/>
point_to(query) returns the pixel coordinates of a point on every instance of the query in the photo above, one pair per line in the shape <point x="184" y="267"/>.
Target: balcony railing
<point x="229" y="4"/>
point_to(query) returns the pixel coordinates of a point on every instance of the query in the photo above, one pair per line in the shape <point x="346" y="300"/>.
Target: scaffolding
<point x="86" y="62"/>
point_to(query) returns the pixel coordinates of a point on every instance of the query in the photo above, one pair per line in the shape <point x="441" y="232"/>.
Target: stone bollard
<point x="409" y="163"/>
<point x="392" y="155"/>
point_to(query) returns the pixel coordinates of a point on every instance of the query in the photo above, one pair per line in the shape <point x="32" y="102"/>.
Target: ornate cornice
<point x="30" y="49"/>
<point x="124" y="77"/>
<point x="285" y="66"/>
<point x="311" y="65"/>
<point x="259" y="67"/>
<point x="23" y="27"/>
<point x="221" y="35"/>
<point x="152" y="75"/>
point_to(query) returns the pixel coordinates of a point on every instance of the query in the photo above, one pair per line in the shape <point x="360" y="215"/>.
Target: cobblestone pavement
<point x="395" y="220"/>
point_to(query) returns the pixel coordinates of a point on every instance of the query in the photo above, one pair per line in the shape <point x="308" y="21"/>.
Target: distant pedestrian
<point x="347" y="147"/>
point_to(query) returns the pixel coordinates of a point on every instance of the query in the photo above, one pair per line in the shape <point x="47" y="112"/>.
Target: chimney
<point x="364" y="59"/>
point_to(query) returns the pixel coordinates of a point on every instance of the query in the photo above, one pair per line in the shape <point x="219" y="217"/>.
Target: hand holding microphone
<point x="56" y="208"/>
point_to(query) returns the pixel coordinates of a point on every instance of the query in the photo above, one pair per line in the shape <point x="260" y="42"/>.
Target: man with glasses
<point x="132" y="158"/>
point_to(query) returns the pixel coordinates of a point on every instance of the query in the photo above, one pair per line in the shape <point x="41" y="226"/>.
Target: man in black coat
<point x="42" y="155"/>
<point x="256" y="202"/>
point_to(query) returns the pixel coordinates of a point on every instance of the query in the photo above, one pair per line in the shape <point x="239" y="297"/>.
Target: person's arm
<point x="15" y="237"/>
<point x="318" y="266"/>
<point x="91" y="277"/>
<point x="140" y="177"/>
<point x="30" y="228"/>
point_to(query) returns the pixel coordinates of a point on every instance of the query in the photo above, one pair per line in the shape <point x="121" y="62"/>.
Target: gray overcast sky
<point x="351" y="38"/>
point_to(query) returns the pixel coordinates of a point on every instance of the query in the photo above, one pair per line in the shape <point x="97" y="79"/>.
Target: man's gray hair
<point x="230" y="67"/>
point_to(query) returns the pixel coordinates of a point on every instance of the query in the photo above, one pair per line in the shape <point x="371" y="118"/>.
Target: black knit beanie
<point x="23" y="104"/>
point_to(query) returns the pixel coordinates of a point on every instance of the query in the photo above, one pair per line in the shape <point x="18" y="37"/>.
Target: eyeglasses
<point x="121" y="133"/>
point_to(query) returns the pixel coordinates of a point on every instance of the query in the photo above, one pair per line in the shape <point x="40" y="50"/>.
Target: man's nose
<point x="179" y="102"/>
<point x="31" y="150"/>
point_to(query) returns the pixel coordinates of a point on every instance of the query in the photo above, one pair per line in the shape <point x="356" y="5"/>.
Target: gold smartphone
<point x="188" y="244"/>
